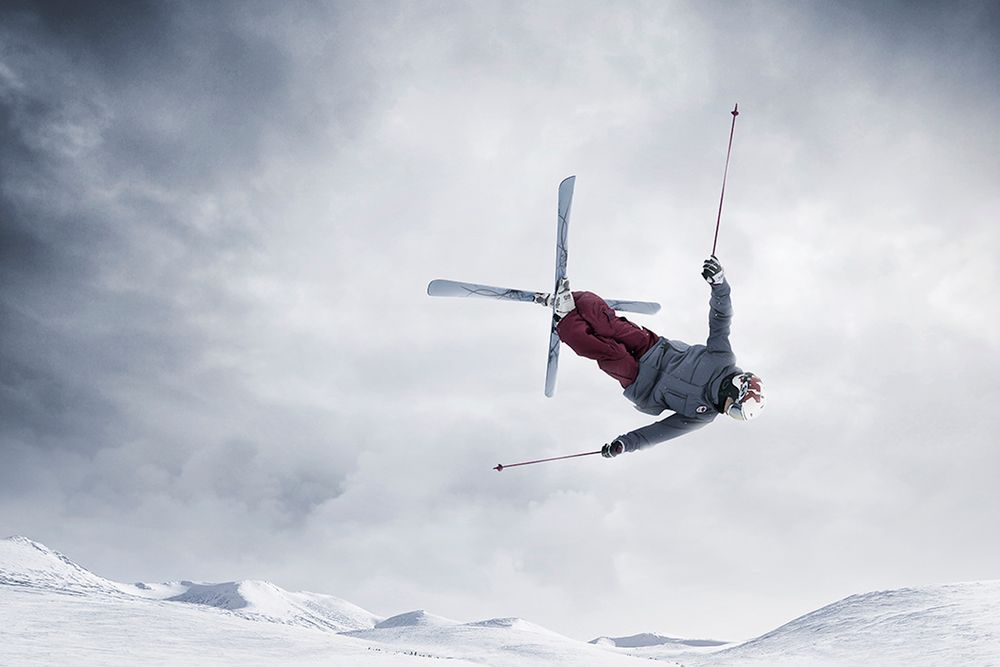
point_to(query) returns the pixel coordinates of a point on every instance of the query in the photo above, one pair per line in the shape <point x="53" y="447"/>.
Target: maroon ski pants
<point x="594" y="331"/>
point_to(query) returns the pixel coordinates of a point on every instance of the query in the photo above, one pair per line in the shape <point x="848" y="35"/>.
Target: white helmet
<point x="750" y="400"/>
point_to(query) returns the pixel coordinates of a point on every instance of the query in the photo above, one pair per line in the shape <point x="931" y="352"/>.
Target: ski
<point x="453" y="288"/>
<point x="562" y="255"/>
<point x="642" y="307"/>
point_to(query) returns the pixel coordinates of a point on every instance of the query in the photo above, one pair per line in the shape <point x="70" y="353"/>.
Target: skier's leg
<point x="611" y="356"/>
<point x="578" y="331"/>
<point x="605" y="323"/>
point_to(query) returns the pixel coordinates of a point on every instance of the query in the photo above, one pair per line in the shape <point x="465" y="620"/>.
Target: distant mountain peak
<point x="25" y="542"/>
<point x="222" y="596"/>
<point x="646" y="639"/>
<point x="507" y="622"/>
<point x="418" y="617"/>
<point x="24" y="562"/>
<point x="514" y="623"/>
<point x="29" y="564"/>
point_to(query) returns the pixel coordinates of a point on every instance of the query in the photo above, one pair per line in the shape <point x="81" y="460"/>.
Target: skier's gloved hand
<point x="712" y="271"/>
<point x="612" y="449"/>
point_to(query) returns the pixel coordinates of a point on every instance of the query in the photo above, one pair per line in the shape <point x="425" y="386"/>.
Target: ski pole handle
<point x="500" y="467"/>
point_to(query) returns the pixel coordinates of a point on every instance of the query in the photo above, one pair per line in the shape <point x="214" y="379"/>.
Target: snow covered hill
<point x="651" y="645"/>
<point x="953" y="624"/>
<point x="497" y="641"/>
<point x="27" y="563"/>
<point x="30" y="564"/>
<point x="260" y="600"/>
<point x="646" y="639"/>
<point x="53" y="611"/>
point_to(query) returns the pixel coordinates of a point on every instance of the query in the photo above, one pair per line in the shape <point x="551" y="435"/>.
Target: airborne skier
<point x="696" y="382"/>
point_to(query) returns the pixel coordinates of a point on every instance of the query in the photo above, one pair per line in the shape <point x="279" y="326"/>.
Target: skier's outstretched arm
<point x="672" y="427"/>
<point x="720" y="316"/>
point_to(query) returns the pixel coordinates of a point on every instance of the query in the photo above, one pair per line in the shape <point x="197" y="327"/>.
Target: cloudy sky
<point x="218" y="361"/>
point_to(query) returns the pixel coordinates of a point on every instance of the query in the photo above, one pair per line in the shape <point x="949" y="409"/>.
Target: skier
<point x="696" y="382"/>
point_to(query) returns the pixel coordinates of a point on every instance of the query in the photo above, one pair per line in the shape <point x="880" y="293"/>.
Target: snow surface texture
<point x="53" y="611"/>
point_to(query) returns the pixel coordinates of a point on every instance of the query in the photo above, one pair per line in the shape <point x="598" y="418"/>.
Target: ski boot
<point x="563" y="303"/>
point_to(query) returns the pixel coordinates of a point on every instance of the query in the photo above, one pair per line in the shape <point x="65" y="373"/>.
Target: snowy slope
<point x="261" y="600"/>
<point x="45" y="627"/>
<point x="954" y="624"/>
<point x="500" y="641"/>
<point x="27" y="563"/>
<point x="53" y="611"/>
<point x="647" y="639"/>
<point x="30" y="564"/>
<point x="661" y="647"/>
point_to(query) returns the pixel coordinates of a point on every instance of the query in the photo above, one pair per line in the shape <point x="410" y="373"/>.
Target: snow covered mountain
<point x="27" y="563"/>
<point x="33" y="565"/>
<point x="260" y="600"/>
<point x="53" y="611"/>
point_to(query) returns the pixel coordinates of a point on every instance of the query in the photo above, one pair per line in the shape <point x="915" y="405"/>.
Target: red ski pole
<point x="718" y="219"/>
<point x="501" y="466"/>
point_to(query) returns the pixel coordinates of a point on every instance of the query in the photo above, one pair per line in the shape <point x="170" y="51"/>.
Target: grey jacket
<point x="683" y="378"/>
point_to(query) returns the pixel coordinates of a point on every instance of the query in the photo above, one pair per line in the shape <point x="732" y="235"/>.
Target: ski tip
<point x="439" y="287"/>
<point x="499" y="467"/>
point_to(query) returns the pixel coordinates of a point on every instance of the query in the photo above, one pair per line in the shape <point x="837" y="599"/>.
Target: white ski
<point x="562" y="250"/>
<point x="454" y="288"/>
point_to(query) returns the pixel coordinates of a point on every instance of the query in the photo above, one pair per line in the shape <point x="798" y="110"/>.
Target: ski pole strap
<point x="500" y="467"/>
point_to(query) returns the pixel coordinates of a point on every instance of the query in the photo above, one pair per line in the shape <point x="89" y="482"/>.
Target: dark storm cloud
<point x="121" y="122"/>
<point x="219" y="87"/>
<point x="925" y="20"/>
<point x="121" y="67"/>
<point x="119" y="35"/>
